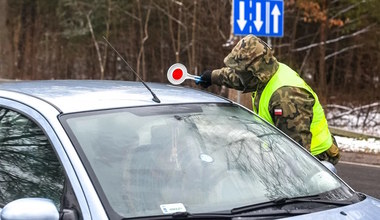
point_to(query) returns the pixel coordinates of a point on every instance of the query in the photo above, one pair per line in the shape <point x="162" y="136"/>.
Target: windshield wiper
<point x="228" y="215"/>
<point x="216" y="215"/>
<point x="284" y="201"/>
<point x="188" y="215"/>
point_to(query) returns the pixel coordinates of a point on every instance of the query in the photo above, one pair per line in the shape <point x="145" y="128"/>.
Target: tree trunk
<point x="332" y="80"/>
<point x="144" y="35"/>
<point x="322" y="52"/>
<point x="96" y="46"/>
<point x="193" y="63"/>
<point x="348" y="70"/>
<point x="358" y="71"/>
<point x="23" y="40"/>
<point x="5" y="44"/>
<point x="178" y="34"/>
<point x="162" y="50"/>
<point x="293" y="37"/>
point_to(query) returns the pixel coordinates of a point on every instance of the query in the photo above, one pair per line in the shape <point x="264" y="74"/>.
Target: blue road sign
<point x="259" y="17"/>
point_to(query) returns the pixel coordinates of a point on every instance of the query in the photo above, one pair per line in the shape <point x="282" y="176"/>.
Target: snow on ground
<point x="363" y="119"/>
<point x="355" y="145"/>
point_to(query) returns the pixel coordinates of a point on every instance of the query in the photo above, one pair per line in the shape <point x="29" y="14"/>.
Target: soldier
<point x="279" y="95"/>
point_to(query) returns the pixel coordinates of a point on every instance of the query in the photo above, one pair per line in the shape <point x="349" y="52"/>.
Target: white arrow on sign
<point x="241" y="22"/>
<point x="276" y="13"/>
<point x="258" y="22"/>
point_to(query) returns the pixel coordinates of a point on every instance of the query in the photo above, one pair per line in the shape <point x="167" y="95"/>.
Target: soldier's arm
<point x="296" y="107"/>
<point x="228" y="77"/>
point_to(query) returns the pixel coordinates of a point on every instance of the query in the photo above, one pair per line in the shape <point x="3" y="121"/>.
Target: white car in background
<point x="106" y="150"/>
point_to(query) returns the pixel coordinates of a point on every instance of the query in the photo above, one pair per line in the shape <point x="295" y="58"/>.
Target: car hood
<point x="366" y="209"/>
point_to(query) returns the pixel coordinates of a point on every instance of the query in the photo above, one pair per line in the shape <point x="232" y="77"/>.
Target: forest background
<point x="333" y="44"/>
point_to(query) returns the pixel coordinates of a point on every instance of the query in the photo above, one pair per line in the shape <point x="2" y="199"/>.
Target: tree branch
<point x="366" y="29"/>
<point x="347" y="9"/>
<point x="342" y="50"/>
<point x="169" y="15"/>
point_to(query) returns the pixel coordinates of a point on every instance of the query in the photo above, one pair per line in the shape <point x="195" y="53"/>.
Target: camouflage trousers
<point x="331" y="155"/>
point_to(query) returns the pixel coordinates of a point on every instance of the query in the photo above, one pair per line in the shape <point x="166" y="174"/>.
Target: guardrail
<point x="352" y="134"/>
<point x="7" y="80"/>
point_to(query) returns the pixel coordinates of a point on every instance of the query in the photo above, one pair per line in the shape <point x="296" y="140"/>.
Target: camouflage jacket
<point x="249" y="67"/>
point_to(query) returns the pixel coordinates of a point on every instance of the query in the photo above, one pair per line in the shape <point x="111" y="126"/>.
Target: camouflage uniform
<point x="249" y="67"/>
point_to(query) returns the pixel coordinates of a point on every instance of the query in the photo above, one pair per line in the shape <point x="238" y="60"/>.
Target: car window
<point x="28" y="165"/>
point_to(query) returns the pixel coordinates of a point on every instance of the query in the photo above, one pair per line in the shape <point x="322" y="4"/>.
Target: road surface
<point x="361" y="177"/>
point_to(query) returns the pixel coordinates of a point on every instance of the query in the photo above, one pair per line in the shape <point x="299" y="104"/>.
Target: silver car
<point x="107" y="150"/>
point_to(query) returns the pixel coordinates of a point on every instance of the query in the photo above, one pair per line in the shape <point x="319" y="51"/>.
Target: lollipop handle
<point x="194" y="77"/>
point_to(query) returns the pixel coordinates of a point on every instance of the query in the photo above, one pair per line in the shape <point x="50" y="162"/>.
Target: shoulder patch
<point x="278" y="112"/>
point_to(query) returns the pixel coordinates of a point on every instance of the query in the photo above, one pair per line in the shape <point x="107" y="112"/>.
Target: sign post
<point x="259" y="17"/>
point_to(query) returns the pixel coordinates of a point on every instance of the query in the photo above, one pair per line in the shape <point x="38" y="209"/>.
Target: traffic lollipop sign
<point x="177" y="74"/>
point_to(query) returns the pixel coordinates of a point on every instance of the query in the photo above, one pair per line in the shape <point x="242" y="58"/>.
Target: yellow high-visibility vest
<point x="321" y="138"/>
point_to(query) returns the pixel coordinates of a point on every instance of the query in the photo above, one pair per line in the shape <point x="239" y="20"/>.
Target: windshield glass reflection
<point x="206" y="157"/>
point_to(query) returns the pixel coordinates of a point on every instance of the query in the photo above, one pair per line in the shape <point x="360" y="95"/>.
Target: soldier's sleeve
<point x="291" y="109"/>
<point x="228" y="77"/>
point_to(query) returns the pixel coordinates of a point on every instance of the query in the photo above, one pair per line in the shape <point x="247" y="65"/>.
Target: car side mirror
<point x="329" y="166"/>
<point x="31" y="209"/>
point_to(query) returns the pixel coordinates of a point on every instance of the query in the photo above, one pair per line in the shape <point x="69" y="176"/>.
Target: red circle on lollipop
<point x="177" y="74"/>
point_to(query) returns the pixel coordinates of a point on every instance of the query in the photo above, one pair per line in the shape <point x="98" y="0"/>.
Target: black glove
<point x="205" y="79"/>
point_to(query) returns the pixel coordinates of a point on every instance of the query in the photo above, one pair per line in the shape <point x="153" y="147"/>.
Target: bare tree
<point x="144" y="36"/>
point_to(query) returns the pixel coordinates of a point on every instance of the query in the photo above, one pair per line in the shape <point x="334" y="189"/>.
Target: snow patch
<point x="363" y="119"/>
<point x="355" y="145"/>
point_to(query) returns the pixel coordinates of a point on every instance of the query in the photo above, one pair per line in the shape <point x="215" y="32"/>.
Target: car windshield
<point x="156" y="160"/>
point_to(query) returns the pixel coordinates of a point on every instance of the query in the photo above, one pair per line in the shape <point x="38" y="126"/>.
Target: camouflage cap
<point x="254" y="55"/>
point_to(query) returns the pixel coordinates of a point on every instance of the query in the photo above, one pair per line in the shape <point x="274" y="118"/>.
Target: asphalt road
<point x="361" y="177"/>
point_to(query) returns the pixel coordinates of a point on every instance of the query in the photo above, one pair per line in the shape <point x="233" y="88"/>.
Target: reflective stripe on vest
<point x="321" y="138"/>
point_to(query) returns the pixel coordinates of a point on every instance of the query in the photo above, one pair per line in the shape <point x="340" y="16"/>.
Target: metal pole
<point x="269" y="42"/>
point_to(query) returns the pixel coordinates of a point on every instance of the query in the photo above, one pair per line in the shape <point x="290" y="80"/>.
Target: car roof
<point x="84" y="95"/>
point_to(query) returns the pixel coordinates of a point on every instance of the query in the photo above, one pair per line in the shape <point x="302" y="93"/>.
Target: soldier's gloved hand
<point x="205" y="79"/>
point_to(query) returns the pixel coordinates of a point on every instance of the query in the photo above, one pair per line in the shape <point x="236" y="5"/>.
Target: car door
<point x="33" y="163"/>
